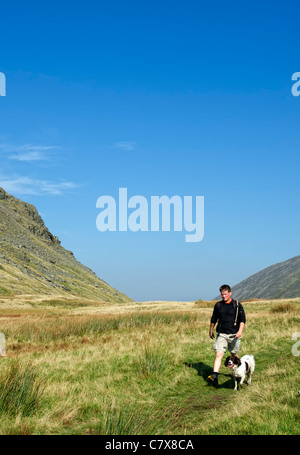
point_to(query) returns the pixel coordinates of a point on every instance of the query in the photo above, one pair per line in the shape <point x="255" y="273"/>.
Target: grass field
<point x="73" y="366"/>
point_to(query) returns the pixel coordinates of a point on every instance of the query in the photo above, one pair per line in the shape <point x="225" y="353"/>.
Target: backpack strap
<point x="237" y="312"/>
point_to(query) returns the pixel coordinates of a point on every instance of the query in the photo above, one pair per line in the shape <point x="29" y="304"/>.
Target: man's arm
<point x="242" y="319"/>
<point x="213" y="321"/>
<point x="240" y="331"/>
<point x="211" y="330"/>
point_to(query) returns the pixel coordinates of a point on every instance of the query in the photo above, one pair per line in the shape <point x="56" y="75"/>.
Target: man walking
<point x="231" y="319"/>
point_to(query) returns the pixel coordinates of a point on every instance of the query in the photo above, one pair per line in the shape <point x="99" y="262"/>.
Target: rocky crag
<point x="32" y="260"/>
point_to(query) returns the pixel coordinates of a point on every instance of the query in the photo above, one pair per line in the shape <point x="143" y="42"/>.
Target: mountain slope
<point x="281" y="280"/>
<point x="32" y="260"/>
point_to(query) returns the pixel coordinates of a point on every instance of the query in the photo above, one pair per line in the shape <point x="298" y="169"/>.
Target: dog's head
<point x="231" y="361"/>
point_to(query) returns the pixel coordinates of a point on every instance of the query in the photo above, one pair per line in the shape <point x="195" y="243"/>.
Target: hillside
<point x="281" y="280"/>
<point x="32" y="260"/>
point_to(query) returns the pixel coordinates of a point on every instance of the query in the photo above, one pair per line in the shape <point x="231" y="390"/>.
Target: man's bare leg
<point x="218" y="361"/>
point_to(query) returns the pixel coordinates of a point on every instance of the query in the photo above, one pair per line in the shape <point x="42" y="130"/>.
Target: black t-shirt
<point x="225" y="314"/>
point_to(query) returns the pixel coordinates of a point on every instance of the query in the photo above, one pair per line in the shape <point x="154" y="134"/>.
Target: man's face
<point x="226" y="296"/>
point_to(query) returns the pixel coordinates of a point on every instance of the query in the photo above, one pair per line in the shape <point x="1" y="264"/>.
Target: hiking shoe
<point x="212" y="380"/>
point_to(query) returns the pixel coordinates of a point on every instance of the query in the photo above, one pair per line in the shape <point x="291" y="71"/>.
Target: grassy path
<point x="80" y="367"/>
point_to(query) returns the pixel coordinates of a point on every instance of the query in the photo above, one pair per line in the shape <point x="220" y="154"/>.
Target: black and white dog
<point x="240" y="368"/>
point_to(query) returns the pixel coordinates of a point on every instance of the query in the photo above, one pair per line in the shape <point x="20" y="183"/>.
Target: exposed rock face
<point x="32" y="260"/>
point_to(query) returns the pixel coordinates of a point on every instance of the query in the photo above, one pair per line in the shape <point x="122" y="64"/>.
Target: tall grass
<point x="145" y="372"/>
<point x="60" y="328"/>
<point x="284" y="308"/>
<point x="115" y="421"/>
<point x="152" y="360"/>
<point x="137" y="420"/>
<point x="20" y="391"/>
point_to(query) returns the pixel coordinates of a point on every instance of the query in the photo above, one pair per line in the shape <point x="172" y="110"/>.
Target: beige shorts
<point x="227" y="341"/>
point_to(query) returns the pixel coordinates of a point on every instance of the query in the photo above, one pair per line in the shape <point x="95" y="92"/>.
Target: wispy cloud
<point x="28" y="152"/>
<point x="28" y="185"/>
<point x="125" y="145"/>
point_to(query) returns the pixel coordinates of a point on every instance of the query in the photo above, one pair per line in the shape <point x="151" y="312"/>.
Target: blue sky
<point x="163" y="98"/>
